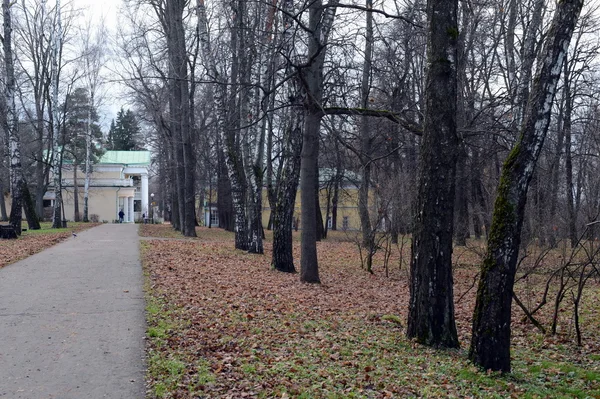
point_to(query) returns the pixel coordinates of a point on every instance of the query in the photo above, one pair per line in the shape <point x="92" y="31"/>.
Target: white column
<point x="125" y="209"/>
<point x="145" y="208"/>
<point x="131" y="209"/>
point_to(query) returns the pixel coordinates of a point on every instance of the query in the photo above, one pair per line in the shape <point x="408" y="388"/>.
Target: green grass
<point x="168" y="371"/>
<point x="46" y="228"/>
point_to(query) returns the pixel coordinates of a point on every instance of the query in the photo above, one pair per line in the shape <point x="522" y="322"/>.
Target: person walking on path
<point x="72" y="319"/>
<point x="121" y="216"/>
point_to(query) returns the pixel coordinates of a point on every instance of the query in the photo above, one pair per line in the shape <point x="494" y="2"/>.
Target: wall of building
<point x="102" y="202"/>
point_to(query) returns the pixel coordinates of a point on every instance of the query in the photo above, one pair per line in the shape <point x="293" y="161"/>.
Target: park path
<point x="72" y="319"/>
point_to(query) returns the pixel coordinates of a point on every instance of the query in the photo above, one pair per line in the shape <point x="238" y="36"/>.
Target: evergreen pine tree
<point x="124" y="133"/>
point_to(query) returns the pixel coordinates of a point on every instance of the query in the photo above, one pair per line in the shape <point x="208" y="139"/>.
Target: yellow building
<point x="347" y="207"/>
<point x="119" y="181"/>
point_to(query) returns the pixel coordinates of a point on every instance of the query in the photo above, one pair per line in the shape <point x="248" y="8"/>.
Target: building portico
<point x="119" y="182"/>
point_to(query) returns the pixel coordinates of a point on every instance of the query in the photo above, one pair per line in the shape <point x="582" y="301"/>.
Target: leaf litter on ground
<point x="222" y="324"/>
<point x="33" y="241"/>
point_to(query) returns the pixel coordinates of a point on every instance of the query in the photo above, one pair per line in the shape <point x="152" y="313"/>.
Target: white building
<point x="119" y="181"/>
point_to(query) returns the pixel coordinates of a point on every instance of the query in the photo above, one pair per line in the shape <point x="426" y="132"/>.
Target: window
<point x="214" y="218"/>
<point x="345" y="223"/>
<point x="137" y="205"/>
<point x="329" y="222"/>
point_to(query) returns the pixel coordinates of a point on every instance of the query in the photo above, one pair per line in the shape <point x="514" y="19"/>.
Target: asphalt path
<point x="72" y="319"/>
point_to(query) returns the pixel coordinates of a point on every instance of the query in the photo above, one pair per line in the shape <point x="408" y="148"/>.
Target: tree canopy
<point x="125" y="132"/>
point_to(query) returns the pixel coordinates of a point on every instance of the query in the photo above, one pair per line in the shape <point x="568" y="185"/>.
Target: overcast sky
<point x="109" y="9"/>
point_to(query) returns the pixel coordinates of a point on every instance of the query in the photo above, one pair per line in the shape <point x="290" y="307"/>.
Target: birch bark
<point x="490" y="344"/>
<point x="11" y="123"/>
<point x="234" y="161"/>
<point x="287" y="184"/>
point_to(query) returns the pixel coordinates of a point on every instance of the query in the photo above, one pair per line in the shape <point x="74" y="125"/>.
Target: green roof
<point x="126" y="157"/>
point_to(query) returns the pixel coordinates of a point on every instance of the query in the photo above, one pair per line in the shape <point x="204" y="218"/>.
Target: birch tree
<point x="490" y="344"/>
<point x="35" y="55"/>
<point x="93" y="60"/>
<point x="232" y="159"/>
<point x="291" y="147"/>
<point x="11" y="124"/>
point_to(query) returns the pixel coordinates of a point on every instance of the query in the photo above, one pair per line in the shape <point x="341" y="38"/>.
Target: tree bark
<point x="56" y="157"/>
<point x="180" y="115"/>
<point x="320" y="23"/>
<point x="11" y="123"/>
<point x="76" y="215"/>
<point x="233" y="158"/>
<point x="3" y="214"/>
<point x="490" y="345"/>
<point x="461" y="232"/>
<point x="571" y="214"/>
<point x="224" y="201"/>
<point x="283" y="214"/>
<point x="365" y="136"/>
<point x="289" y="173"/>
<point x="431" y="308"/>
<point x="309" y="267"/>
<point x="33" y="222"/>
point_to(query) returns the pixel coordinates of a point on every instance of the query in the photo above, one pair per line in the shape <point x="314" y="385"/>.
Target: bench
<point x="7" y="231"/>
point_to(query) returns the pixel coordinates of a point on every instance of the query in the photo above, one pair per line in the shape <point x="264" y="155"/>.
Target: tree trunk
<point x="490" y="345"/>
<point x="179" y="212"/>
<point x="40" y="174"/>
<point x="88" y="160"/>
<point x="461" y="232"/>
<point x="365" y="136"/>
<point x="33" y="222"/>
<point x="56" y="156"/>
<point x="339" y="172"/>
<point x="11" y="123"/>
<point x="320" y="23"/>
<point x="283" y="213"/>
<point x="321" y="233"/>
<point x="283" y="205"/>
<point x="3" y="214"/>
<point x="224" y="201"/>
<point x="555" y="166"/>
<point x="571" y="214"/>
<point x="76" y="215"/>
<point x="431" y="308"/>
<point x="309" y="267"/>
<point x="261" y="65"/>
<point x="227" y="131"/>
<point x="179" y="115"/>
<point x="175" y="215"/>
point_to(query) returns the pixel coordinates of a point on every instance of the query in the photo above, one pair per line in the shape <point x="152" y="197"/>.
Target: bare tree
<point x="431" y="308"/>
<point x="93" y="61"/>
<point x="319" y="27"/>
<point x="11" y="122"/>
<point x="56" y="159"/>
<point x="490" y="345"/>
